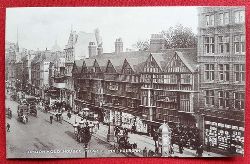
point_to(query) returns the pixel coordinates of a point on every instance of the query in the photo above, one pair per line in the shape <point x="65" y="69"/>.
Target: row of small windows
<point x="224" y="44"/>
<point x="167" y="79"/>
<point x="223" y="18"/>
<point x="223" y="72"/>
<point x="224" y="99"/>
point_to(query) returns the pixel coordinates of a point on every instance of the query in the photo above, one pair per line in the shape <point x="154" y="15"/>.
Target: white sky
<point x="40" y="27"/>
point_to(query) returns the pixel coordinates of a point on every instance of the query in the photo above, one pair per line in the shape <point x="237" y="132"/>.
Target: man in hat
<point x="145" y="152"/>
<point x="51" y="119"/>
<point x="8" y="127"/>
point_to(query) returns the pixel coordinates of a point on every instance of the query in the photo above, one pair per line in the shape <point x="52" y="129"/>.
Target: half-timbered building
<point x="169" y="88"/>
<point x="139" y="89"/>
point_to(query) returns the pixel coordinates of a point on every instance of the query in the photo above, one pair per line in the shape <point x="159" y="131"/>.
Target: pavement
<point x="142" y="141"/>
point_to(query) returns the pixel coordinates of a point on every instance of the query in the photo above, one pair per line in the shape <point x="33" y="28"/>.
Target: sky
<point x="39" y="28"/>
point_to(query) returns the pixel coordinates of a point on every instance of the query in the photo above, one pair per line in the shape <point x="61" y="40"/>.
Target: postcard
<point x="91" y="82"/>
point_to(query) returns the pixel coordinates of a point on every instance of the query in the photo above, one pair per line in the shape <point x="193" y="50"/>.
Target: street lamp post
<point x="86" y="139"/>
<point x="110" y="136"/>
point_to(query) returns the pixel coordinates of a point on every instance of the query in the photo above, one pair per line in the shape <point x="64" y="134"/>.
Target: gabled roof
<point x="102" y="63"/>
<point x="117" y="63"/>
<point x="134" y="58"/>
<point x="137" y="63"/>
<point x="188" y="57"/>
<point x="137" y="59"/>
<point x="110" y="62"/>
<point x="159" y="59"/>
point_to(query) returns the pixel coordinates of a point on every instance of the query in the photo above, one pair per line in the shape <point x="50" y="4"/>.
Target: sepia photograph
<point x="95" y="82"/>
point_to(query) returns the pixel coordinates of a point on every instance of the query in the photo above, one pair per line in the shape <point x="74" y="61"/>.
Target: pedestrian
<point x="181" y="146"/>
<point x="51" y="119"/>
<point x="98" y="125"/>
<point x="145" y="152"/>
<point x="56" y="116"/>
<point x="150" y="153"/>
<point x="69" y="115"/>
<point x="199" y="151"/>
<point x="60" y="117"/>
<point x="157" y="150"/>
<point x="133" y="128"/>
<point x="171" y="151"/>
<point x="63" y="109"/>
<point x="8" y="127"/>
<point x="116" y="131"/>
<point x="155" y="137"/>
<point x="209" y="143"/>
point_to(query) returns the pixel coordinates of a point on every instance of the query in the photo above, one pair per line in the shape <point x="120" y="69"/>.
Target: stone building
<point x="40" y="72"/>
<point x="10" y="60"/>
<point x="221" y="58"/>
<point x="80" y="46"/>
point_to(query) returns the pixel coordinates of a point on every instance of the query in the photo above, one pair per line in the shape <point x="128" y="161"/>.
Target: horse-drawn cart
<point x="8" y="113"/>
<point x="33" y="110"/>
<point x="82" y="133"/>
<point x="31" y="102"/>
<point x="122" y="139"/>
<point x="22" y="113"/>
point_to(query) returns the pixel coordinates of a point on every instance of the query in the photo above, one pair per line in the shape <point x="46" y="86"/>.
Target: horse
<point x="24" y="119"/>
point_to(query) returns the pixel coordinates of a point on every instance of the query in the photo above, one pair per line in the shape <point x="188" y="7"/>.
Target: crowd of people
<point x="182" y="136"/>
<point x="186" y="136"/>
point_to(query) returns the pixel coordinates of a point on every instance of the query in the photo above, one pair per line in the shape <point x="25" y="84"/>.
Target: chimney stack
<point x="156" y="42"/>
<point x="92" y="49"/>
<point x="118" y="45"/>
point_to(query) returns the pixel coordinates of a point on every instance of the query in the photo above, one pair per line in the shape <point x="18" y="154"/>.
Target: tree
<point x="141" y="45"/>
<point x="179" y="37"/>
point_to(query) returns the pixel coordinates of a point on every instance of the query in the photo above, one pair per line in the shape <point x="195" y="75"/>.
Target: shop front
<point x="127" y="120"/>
<point x="223" y="134"/>
<point x="123" y="119"/>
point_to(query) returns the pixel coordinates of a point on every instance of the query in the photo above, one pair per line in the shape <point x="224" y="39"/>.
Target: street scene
<point x="172" y="89"/>
<point x="38" y="134"/>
